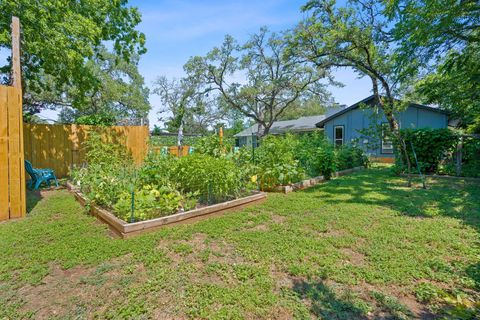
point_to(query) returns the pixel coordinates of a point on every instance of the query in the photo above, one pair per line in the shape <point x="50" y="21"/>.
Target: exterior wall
<point x="358" y="119"/>
<point x="245" y="141"/>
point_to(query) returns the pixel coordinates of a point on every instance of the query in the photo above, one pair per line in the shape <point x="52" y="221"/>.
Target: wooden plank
<point x="192" y="213"/>
<point x="61" y="146"/>
<point x="14" y="167"/>
<point x="23" y="187"/>
<point x="4" y="189"/>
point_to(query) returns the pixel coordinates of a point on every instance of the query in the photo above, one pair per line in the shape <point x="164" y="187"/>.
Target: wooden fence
<point x="60" y="147"/>
<point x="12" y="170"/>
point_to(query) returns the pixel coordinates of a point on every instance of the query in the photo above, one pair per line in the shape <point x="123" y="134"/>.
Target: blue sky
<point x="178" y="29"/>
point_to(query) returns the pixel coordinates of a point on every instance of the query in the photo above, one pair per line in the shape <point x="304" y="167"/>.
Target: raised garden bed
<point x="126" y="230"/>
<point x="307" y="183"/>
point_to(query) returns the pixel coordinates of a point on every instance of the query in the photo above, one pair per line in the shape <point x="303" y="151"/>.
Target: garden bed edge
<point x="126" y="230"/>
<point x="307" y="183"/>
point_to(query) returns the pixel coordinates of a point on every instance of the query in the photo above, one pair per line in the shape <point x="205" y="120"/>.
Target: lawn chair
<point x="38" y="176"/>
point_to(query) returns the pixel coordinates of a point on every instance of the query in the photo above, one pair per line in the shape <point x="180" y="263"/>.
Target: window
<point x="387" y="144"/>
<point x="338" y="135"/>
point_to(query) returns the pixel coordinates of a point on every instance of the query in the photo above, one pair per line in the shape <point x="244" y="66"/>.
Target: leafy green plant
<point x="214" y="179"/>
<point x="316" y="155"/>
<point x="212" y="146"/>
<point x="275" y="161"/>
<point x="392" y="305"/>
<point x="431" y="147"/>
<point x="427" y="292"/>
<point x="350" y="156"/>
<point x="149" y="202"/>
<point x="108" y="172"/>
<point x="155" y="169"/>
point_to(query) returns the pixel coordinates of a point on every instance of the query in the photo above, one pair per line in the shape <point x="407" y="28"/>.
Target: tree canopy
<point x="61" y="40"/>
<point x="443" y="36"/>
<point x="272" y="80"/>
<point x="186" y="106"/>
<point x="118" y="92"/>
<point x="356" y="37"/>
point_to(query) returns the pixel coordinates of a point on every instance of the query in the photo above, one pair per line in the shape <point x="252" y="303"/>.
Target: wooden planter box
<point x="127" y="230"/>
<point x="307" y="183"/>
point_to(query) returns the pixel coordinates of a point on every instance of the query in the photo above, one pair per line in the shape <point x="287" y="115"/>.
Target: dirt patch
<point x="278" y="219"/>
<point x="260" y="227"/>
<point x="353" y="257"/>
<point x="63" y="293"/>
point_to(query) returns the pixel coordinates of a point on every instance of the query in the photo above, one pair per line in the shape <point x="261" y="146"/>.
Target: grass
<point x="359" y="247"/>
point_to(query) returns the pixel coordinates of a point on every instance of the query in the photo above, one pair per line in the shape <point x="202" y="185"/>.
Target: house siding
<point x="357" y="119"/>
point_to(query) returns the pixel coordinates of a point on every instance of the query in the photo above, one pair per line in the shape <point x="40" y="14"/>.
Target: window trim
<point x="335" y="135"/>
<point x="382" y="148"/>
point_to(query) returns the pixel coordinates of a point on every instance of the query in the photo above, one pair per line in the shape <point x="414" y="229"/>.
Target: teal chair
<point x="39" y="176"/>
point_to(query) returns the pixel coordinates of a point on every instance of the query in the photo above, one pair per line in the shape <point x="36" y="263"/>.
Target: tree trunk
<point x="403" y="146"/>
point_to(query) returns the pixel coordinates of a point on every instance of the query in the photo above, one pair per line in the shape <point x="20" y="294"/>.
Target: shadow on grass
<point x="33" y="198"/>
<point x="326" y="304"/>
<point x="457" y="199"/>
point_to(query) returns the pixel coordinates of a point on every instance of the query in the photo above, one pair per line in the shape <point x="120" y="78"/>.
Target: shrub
<point x="471" y="157"/>
<point x="316" y="155"/>
<point x="431" y="146"/>
<point x="275" y="161"/>
<point x="350" y="156"/>
<point x="214" y="179"/>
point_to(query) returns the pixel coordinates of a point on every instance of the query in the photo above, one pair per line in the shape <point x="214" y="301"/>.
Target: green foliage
<point x="443" y="36"/>
<point x="264" y="95"/>
<point x="427" y="292"/>
<point x="98" y="119"/>
<point x="211" y="146"/>
<point x="155" y="169"/>
<point x="118" y="94"/>
<point x="59" y="44"/>
<point x="275" y="161"/>
<point x="392" y="306"/>
<point x="431" y="146"/>
<point x="172" y="140"/>
<point x="471" y="157"/>
<point x="316" y="155"/>
<point x="214" y="179"/>
<point x="149" y="202"/>
<point x="108" y="171"/>
<point x="350" y="156"/>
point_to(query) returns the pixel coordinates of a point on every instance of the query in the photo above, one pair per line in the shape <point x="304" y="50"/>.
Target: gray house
<point x="300" y="125"/>
<point x="346" y="125"/>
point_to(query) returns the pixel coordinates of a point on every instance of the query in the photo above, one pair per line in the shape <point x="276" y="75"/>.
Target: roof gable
<point x="367" y="101"/>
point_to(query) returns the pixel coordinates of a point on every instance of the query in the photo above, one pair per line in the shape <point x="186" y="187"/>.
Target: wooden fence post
<point x="12" y="176"/>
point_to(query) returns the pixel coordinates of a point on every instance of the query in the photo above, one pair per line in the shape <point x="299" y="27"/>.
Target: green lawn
<point x="359" y="247"/>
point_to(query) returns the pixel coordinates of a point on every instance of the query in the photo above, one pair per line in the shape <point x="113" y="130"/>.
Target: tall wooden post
<point x="15" y="131"/>
<point x="16" y="72"/>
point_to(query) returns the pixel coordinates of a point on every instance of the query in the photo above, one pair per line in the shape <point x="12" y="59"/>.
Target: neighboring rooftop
<point x="280" y="127"/>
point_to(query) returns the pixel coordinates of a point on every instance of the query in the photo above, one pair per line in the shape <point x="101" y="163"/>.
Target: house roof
<point x="279" y="127"/>
<point x="321" y="123"/>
